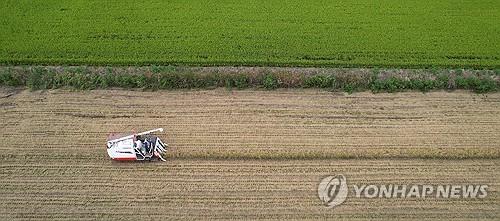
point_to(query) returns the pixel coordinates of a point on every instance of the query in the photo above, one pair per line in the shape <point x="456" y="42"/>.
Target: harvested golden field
<point x="230" y="189"/>
<point x="54" y="165"/>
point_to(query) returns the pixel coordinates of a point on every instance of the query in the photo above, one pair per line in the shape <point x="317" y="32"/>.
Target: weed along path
<point x="245" y="153"/>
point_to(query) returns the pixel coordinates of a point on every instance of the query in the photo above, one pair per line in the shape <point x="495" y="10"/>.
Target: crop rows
<point x="196" y="189"/>
<point x="389" y="33"/>
<point x="54" y="165"/>
<point x="302" y="124"/>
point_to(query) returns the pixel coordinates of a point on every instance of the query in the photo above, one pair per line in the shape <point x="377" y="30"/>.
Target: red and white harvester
<point x="136" y="146"/>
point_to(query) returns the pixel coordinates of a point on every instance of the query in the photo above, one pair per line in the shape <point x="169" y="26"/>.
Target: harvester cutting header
<point x="140" y="146"/>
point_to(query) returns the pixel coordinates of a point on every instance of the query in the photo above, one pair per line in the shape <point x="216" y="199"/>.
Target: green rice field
<point x="333" y="33"/>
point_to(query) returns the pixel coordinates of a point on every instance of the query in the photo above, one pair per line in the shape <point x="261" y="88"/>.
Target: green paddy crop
<point x="363" y="33"/>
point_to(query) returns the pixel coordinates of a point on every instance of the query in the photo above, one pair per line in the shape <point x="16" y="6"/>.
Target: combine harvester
<point x="141" y="146"/>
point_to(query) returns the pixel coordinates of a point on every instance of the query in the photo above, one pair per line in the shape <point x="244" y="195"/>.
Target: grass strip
<point x="171" y="78"/>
